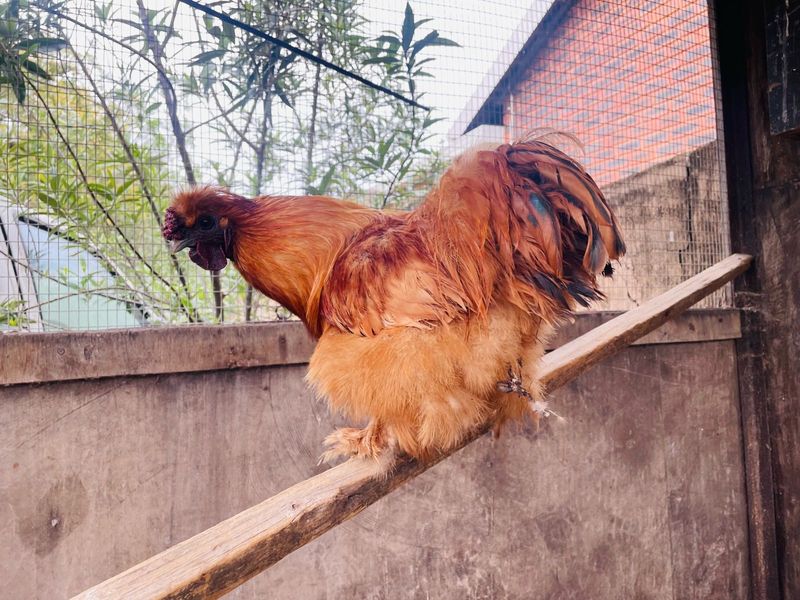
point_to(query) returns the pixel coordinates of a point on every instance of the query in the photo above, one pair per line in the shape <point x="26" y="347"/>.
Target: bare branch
<point x="171" y="100"/>
<point x="170" y="97"/>
<point x="171" y="28"/>
<point x="84" y="178"/>
<point x="102" y="34"/>
<point x="241" y="134"/>
<point x="192" y="315"/>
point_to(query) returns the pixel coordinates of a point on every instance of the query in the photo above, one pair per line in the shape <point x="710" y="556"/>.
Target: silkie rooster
<point x="431" y="322"/>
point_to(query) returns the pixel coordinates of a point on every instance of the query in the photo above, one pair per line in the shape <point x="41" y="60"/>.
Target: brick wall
<point x="632" y="80"/>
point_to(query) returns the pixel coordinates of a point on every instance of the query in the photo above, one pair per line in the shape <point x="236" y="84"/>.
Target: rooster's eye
<point x="206" y="222"/>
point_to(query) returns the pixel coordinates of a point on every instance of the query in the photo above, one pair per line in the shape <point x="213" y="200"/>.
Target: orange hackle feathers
<point x="421" y="314"/>
<point x="285" y="246"/>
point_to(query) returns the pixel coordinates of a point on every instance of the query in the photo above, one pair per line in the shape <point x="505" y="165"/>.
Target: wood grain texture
<point x="764" y="198"/>
<point x="77" y="355"/>
<point x="65" y="356"/>
<point x="697" y="325"/>
<point x="782" y="24"/>
<point x="219" y="559"/>
<point x="615" y="503"/>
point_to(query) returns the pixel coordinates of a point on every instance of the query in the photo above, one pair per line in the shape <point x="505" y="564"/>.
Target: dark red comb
<point x="171" y="224"/>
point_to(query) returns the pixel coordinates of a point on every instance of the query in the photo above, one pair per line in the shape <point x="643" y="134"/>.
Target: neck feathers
<point x="285" y="246"/>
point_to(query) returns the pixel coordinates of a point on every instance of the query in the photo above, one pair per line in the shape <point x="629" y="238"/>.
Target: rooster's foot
<point x="347" y="442"/>
<point x="513" y="385"/>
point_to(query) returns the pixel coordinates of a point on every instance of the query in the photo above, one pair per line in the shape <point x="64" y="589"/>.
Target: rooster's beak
<point x="176" y="246"/>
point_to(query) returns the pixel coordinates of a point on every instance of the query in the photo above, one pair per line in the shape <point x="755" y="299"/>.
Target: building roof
<point x="485" y="107"/>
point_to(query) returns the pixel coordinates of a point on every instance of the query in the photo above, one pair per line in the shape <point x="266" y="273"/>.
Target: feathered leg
<point x="373" y="442"/>
<point x="521" y="396"/>
<point x="514" y="385"/>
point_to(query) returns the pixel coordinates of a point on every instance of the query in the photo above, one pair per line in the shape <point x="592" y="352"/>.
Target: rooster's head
<point x="200" y="219"/>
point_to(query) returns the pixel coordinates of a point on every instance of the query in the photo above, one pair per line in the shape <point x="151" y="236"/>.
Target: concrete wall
<point x="674" y="221"/>
<point x="638" y="494"/>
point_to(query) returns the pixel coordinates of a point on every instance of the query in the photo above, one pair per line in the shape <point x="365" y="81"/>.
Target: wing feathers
<point x="523" y="223"/>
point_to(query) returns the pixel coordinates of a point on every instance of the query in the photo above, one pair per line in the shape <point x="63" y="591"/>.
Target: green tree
<point x="96" y="145"/>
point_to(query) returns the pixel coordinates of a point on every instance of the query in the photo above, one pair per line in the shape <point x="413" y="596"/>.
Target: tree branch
<point x="171" y="100"/>
<point x="191" y="314"/>
<point x="84" y="178"/>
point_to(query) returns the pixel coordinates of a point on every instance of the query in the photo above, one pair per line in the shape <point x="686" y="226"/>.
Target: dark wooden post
<point x="763" y="176"/>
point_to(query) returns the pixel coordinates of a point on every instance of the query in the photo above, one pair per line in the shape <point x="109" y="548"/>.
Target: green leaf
<point x="206" y="57"/>
<point x="408" y="27"/>
<point x="287" y="60"/>
<point x="323" y="186"/>
<point x="428" y="40"/>
<point x="403" y="171"/>
<point x="282" y="95"/>
<point x="124" y="187"/>
<point x="301" y="35"/>
<point x="35" y="69"/>
<point x="102" y="11"/>
<point x="431" y="39"/>
<point x="441" y="41"/>
<point x="383" y="148"/>
<point x="380" y="60"/>
<point x="48" y="200"/>
<point x="42" y="43"/>
<point x="392" y="159"/>
<point x="19" y="90"/>
<point x="372" y="163"/>
<point x="101" y="190"/>
<point x="136" y="25"/>
<point x="229" y="30"/>
<point x="228" y="90"/>
<point x="388" y="39"/>
<point x="428" y="122"/>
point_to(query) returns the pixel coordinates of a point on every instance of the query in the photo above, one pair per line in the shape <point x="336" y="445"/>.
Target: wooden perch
<point x="223" y="557"/>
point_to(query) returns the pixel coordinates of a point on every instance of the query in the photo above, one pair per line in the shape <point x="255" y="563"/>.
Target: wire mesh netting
<point x="107" y="108"/>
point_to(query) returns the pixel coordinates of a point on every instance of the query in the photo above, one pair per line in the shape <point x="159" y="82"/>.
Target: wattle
<point x="210" y="257"/>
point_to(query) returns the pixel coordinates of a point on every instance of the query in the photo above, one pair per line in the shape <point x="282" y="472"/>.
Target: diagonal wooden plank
<point x="570" y="360"/>
<point x="223" y="557"/>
